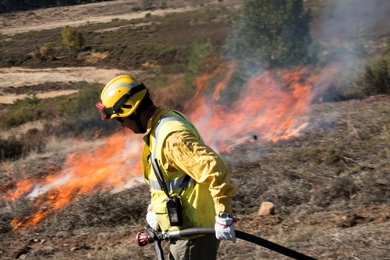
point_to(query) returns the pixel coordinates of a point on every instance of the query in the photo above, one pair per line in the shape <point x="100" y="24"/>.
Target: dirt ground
<point x="18" y="81"/>
<point x="88" y="244"/>
<point x="96" y="13"/>
<point x="92" y="13"/>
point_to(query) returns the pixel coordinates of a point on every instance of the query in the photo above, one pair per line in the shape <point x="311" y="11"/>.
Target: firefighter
<point x="189" y="182"/>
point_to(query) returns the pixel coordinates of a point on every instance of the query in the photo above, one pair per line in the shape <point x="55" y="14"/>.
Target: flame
<point x="112" y="165"/>
<point x="267" y="108"/>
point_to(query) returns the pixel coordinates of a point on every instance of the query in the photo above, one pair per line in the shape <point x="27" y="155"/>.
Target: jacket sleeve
<point x="186" y="152"/>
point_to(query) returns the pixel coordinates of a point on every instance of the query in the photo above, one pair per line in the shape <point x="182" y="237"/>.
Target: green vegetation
<point x="73" y="115"/>
<point x="276" y="33"/>
<point x="25" y="110"/>
<point x="79" y="115"/>
<point x="165" y="42"/>
<point x="202" y="58"/>
<point x="72" y="38"/>
<point x="377" y="76"/>
<point x="65" y="116"/>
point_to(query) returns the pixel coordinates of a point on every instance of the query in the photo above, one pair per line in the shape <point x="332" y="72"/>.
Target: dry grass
<point x="331" y="197"/>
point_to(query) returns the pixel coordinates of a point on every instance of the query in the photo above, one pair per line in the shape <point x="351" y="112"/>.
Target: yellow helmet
<point x="121" y="97"/>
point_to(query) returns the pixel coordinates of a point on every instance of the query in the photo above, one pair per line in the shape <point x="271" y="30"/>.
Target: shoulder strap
<point x="184" y="184"/>
<point x="160" y="177"/>
<point x="154" y="160"/>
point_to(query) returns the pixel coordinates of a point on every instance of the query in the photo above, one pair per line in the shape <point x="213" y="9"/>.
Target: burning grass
<point x="272" y="108"/>
<point x="335" y="166"/>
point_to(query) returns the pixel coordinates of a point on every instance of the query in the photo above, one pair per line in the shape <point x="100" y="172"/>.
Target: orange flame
<point x="267" y="108"/>
<point x="112" y="165"/>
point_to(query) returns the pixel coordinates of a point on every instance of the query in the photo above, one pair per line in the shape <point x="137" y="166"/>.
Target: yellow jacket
<point x="175" y="142"/>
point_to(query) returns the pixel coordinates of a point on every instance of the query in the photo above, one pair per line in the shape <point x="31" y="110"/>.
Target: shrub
<point x="72" y="38"/>
<point x="10" y="148"/>
<point x="22" y="111"/>
<point x="34" y="140"/>
<point x="13" y="59"/>
<point x="377" y="77"/>
<point x="136" y="9"/>
<point x="197" y="57"/>
<point x="149" y="4"/>
<point x="47" y="50"/>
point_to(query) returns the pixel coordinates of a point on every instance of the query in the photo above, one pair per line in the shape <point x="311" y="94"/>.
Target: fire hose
<point x="152" y="236"/>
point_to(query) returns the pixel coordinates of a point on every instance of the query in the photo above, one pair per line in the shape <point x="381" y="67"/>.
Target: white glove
<point x="151" y="218"/>
<point x="224" y="229"/>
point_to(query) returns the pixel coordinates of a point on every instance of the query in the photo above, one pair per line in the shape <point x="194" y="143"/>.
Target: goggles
<point x="107" y="112"/>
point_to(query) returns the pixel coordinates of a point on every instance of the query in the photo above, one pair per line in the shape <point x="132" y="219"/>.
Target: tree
<point x="72" y="38"/>
<point x="273" y="32"/>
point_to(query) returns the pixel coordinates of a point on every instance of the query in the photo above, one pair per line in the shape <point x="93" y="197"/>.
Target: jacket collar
<point x="160" y="111"/>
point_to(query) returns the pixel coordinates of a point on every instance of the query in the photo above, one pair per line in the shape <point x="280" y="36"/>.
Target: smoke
<point x="346" y="29"/>
<point x="343" y="29"/>
<point x="40" y="189"/>
<point x="345" y="19"/>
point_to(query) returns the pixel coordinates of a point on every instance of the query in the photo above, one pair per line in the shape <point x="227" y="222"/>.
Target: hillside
<point x="329" y="180"/>
<point x="330" y="187"/>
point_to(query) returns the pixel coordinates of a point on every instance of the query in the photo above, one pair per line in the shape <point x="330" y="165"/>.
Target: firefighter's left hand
<point x="224" y="229"/>
<point x="151" y="218"/>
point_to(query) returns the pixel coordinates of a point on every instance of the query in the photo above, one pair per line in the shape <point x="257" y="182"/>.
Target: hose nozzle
<point x="143" y="238"/>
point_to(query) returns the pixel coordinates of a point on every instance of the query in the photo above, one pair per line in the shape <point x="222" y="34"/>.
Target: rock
<point x="63" y="234"/>
<point x="266" y="208"/>
<point x="351" y="220"/>
<point x="22" y="252"/>
<point x="44" y="251"/>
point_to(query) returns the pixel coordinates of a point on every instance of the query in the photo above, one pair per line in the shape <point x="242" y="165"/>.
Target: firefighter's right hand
<point x="151" y="218"/>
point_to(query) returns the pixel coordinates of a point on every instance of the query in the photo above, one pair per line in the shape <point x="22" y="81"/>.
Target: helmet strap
<point x="137" y="119"/>
<point x="137" y="116"/>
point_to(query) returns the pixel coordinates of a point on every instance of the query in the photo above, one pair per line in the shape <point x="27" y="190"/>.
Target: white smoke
<point x="40" y="189"/>
<point x="347" y="29"/>
<point x="343" y="19"/>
